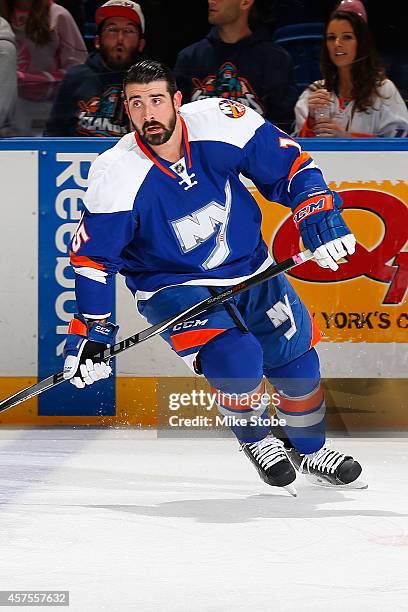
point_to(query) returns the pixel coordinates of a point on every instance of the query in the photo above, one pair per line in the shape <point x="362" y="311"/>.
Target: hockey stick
<point x="154" y="330"/>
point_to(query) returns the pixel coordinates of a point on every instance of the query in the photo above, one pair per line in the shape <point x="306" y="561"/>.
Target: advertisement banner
<point x="366" y="299"/>
<point x="63" y="171"/>
<point x="364" y="304"/>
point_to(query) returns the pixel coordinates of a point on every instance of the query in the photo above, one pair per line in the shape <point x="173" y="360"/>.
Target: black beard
<point x="158" y="139"/>
<point x="119" y="64"/>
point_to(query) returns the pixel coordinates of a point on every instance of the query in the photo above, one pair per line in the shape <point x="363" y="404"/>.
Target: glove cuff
<point x="103" y="332"/>
<point x="311" y="206"/>
<point x="78" y="327"/>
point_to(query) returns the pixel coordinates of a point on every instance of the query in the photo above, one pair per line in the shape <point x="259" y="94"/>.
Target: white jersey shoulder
<point x="116" y="176"/>
<point x="390" y="96"/>
<point x="221" y="120"/>
<point x="387" y="88"/>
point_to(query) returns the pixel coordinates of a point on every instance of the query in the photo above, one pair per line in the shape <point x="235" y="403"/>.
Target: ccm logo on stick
<point x="188" y="324"/>
<point x="310" y="207"/>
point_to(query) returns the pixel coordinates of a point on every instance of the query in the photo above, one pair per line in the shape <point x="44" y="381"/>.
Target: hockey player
<point x="166" y="208"/>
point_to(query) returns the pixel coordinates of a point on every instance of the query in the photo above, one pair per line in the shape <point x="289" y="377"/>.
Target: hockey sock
<point x="232" y="364"/>
<point x="301" y="401"/>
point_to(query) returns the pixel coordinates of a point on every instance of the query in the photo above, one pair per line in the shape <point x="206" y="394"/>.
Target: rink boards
<point x="362" y="310"/>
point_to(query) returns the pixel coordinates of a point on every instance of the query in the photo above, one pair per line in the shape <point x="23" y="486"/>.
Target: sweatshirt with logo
<point x="89" y="102"/>
<point x="253" y="71"/>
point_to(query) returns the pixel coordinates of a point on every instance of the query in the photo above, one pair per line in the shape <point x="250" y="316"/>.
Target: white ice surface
<point x="128" y="522"/>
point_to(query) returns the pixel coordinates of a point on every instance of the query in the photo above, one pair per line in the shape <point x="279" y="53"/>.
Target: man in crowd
<point x="89" y="102"/>
<point x="239" y="62"/>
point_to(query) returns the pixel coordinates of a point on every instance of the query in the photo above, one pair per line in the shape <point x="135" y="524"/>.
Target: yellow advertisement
<point x="366" y="299"/>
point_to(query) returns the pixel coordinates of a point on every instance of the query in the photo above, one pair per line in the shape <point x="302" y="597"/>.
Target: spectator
<point x="354" y="98"/>
<point x="48" y="42"/>
<point x="89" y="102"/>
<point x="8" y="77"/>
<point x="239" y="62"/>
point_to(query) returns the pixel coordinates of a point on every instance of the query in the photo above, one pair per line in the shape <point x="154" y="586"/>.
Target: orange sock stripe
<point x="299" y="405"/>
<point x="194" y="337"/>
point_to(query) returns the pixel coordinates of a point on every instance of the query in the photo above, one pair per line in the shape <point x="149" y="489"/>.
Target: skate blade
<point x="290" y="488"/>
<point x="356" y="485"/>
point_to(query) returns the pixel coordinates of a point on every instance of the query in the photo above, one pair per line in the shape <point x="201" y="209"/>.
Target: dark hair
<point x="367" y="73"/>
<point x="38" y="27"/>
<point x="147" y="71"/>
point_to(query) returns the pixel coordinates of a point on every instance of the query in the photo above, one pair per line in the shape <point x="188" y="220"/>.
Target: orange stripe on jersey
<point x="85" y="262"/>
<point x="194" y="337"/>
<point x="243" y="401"/>
<point x="358" y="135"/>
<point x="78" y="327"/>
<point x="299" y="405"/>
<point x="303" y="157"/>
<point x="186" y="142"/>
<point x="152" y="157"/>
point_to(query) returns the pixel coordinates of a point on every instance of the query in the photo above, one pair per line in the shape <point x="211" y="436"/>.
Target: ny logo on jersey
<point x="211" y="220"/>
<point x="280" y="313"/>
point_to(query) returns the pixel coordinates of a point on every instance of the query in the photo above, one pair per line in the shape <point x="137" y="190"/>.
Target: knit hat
<point x="353" y="6"/>
<point x="121" y="8"/>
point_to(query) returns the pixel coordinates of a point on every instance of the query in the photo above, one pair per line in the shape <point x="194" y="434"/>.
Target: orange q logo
<point x="385" y="262"/>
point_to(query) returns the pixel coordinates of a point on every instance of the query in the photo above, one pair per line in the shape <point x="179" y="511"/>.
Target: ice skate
<point x="328" y="467"/>
<point x="270" y="459"/>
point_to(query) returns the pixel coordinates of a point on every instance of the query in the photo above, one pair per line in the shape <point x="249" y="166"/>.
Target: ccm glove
<point x="85" y="338"/>
<point x="321" y="226"/>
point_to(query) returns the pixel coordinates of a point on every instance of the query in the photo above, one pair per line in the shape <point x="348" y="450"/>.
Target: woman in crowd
<point x="354" y="98"/>
<point x="8" y="77"/>
<point x="48" y="43"/>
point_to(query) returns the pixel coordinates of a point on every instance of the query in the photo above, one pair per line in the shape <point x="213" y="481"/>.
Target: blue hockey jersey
<point x="190" y="222"/>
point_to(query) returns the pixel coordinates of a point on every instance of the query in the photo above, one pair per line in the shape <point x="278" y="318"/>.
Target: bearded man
<point x="89" y="101"/>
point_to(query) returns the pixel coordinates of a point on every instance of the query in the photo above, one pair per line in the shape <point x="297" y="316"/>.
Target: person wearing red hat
<point x="90" y="102"/>
<point x="354" y="98"/>
<point x="125" y="9"/>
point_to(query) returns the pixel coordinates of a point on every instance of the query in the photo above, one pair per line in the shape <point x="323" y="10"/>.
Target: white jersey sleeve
<point x="392" y="119"/>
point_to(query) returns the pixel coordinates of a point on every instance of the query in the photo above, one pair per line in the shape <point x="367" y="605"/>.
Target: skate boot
<point x="328" y="467"/>
<point x="269" y="458"/>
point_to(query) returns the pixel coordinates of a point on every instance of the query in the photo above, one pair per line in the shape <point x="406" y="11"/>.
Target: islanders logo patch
<point x="232" y="109"/>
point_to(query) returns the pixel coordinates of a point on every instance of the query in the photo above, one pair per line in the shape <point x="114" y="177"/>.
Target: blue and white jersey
<point x="189" y="222"/>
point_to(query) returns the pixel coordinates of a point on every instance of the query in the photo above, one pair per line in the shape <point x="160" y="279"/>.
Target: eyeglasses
<point x="114" y="31"/>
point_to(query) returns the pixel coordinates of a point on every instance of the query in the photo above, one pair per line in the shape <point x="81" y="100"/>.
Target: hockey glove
<point x="85" y="338"/>
<point x="322" y="228"/>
